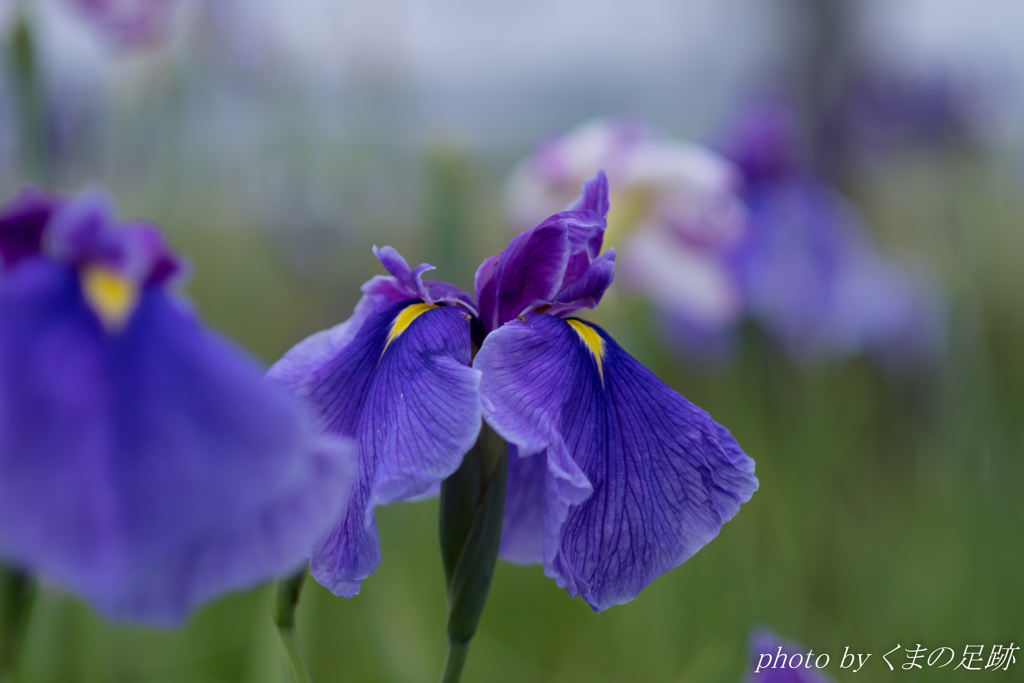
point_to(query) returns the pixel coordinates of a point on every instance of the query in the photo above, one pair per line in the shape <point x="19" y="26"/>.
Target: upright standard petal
<point x="148" y="469"/>
<point x="406" y="283"/>
<point x="396" y="378"/>
<point x="637" y="478"/>
<point x="554" y="265"/>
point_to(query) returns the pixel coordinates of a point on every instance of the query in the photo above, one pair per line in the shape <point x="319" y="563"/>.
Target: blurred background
<point x="275" y="143"/>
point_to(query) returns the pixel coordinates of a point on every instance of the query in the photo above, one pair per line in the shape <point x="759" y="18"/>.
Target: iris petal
<point x="664" y="476"/>
<point x="405" y="283"/>
<point x="150" y="470"/>
<point x="554" y="265"/>
<point x="412" y="404"/>
<point x="21" y="226"/>
<point x="522" y="530"/>
<point x="528" y="271"/>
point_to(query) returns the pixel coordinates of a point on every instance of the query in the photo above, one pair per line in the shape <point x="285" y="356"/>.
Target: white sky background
<point x="479" y="69"/>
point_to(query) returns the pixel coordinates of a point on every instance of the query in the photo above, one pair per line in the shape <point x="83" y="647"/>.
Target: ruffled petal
<point x="406" y="283"/>
<point x="411" y="401"/>
<point x="151" y="469"/>
<point x="664" y="475"/>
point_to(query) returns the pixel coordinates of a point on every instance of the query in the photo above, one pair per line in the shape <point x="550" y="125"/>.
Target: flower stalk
<point x="17" y="591"/>
<point x="23" y="62"/>
<point x="285" y="602"/>
<point x="472" y="508"/>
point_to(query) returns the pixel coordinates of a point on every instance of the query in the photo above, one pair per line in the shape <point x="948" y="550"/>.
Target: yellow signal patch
<point x="111" y="295"/>
<point x="404" y="319"/>
<point x="593" y="341"/>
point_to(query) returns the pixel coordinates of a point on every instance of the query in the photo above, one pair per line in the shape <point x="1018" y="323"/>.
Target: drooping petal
<point x="396" y="378"/>
<point x="522" y="530"/>
<point x="151" y="469"/>
<point x="664" y="475"/>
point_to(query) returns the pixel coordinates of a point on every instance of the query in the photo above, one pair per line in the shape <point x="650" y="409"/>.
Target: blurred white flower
<point x="675" y="215"/>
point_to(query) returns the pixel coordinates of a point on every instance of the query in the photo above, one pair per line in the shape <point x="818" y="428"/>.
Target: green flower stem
<point x="285" y="602"/>
<point x="23" y="61"/>
<point x="472" y="507"/>
<point x="17" y="592"/>
<point x="454" y="661"/>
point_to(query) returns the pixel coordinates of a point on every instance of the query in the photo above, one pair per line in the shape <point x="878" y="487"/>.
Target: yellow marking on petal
<point x="112" y="296"/>
<point x="593" y="341"/>
<point x="404" y="319"/>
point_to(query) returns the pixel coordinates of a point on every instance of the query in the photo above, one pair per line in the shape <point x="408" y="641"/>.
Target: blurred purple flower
<point x="613" y="477"/>
<point x="676" y="214"/>
<point x="143" y="461"/>
<point x="129" y="23"/>
<point x="874" y="114"/>
<point x="772" y="660"/>
<point x="807" y="266"/>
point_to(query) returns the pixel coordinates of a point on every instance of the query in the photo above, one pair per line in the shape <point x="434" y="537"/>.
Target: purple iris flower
<point x="144" y="463"/>
<point x="876" y="113"/>
<point x="396" y="378"/>
<point x="807" y="265"/>
<point x="773" y="660"/>
<point x="613" y="477"/>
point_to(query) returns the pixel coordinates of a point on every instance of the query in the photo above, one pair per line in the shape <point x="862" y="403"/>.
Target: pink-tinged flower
<point x="129" y="23"/>
<point x="675" y="217"/>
